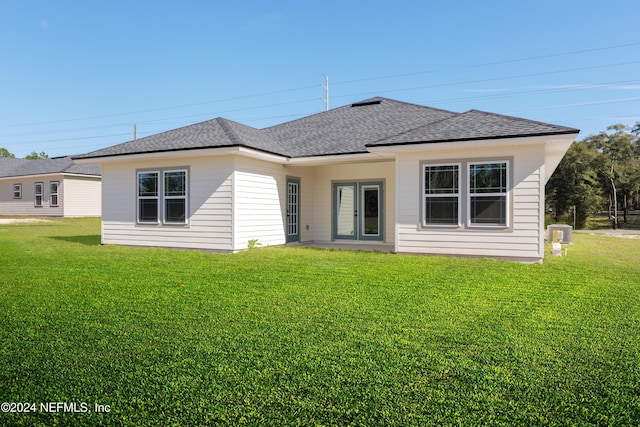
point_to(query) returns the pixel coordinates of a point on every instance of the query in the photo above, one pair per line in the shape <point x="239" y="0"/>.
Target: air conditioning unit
<point x="560" y="233"/>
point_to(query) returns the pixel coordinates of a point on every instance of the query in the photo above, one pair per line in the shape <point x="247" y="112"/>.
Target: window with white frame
<point x="53" y="193"/>
<point x="17" y="191"/>
<point x="162" y="196"/>
<point x="488" y="188"/>
<point x="148" y="197"/>
<point x="441" y="202"/>
<point x="175" y="196"/>
<point x="37" y="194"/>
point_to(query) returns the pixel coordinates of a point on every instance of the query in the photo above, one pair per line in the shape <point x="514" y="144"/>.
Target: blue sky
<point x="77" y="75"/>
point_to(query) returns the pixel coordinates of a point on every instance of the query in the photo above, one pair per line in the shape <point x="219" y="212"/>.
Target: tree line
<point x="598" y="173"/>
<point x="33" y="156"/>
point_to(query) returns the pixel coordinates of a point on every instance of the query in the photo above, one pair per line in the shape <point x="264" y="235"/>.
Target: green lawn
<point x="299" y="336"/>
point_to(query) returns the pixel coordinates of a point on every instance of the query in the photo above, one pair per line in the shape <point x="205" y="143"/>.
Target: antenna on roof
<point x="326" y="92"/>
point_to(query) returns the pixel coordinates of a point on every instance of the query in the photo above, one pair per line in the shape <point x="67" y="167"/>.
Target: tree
<point x="575" y="182"/>
<point x="619" y="168"/>
<point x="35" y="156"/>
<point x="5" y="153"/>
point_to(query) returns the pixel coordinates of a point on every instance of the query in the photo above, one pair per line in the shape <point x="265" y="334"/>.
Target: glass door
<point x="370" y="224"/>
<point x="345" y="211"/>
<point x="358" y="211"/>
<point x="293" y="210"/>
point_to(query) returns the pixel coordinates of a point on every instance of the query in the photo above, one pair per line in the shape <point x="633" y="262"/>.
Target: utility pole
<point x="326" y="92"/>
<point x="135" y="132"/>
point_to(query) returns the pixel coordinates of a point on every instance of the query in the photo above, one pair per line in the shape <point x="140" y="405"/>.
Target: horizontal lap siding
<point x="81" y="196"/>
<point x="522" y="240"/>
<point x="259" y="199"/>
<point x="307" y="214"/>
<point x="26" y="204"/>
<point x="324" y="176"/>
<point x="210" y="206"/>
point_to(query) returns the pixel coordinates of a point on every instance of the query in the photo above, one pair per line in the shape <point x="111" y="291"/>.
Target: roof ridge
<point x="413" y="104"/>
<point x="489" y="113"/>
<point x="229" y="131"/>
<point x="453" y="116"/>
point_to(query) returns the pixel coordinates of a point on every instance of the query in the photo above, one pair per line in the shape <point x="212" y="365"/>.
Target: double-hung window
<point x="175" y="196"/>
<point x="488" y="187"/>
<point x="53" y="193"/>
<point x="466" y="195"/>
<point x="162" y="197"/>
<point x="441" y="204"/>
<point x="17" y="191"/>
<point x="37" y="194"/>
<point x="148" y="197"/>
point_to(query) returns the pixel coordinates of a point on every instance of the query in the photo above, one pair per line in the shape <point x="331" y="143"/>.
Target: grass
<point x="299" y="336"/>
<point x="598" y="221"/>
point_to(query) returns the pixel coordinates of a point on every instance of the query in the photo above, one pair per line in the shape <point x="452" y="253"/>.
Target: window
<point x="37" y="191"/>
<point x="17" y="191"/>
<point x="148" y="197"/>
<point x="488" y="194"/>
<point x="441" y="195"/>
<point x="162" y="197"/>
<point x="53" y="193"/>
<point x="175" y="196"/>
<point x="468" y="194"/>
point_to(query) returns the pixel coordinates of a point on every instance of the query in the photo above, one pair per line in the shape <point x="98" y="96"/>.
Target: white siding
<point x="259" y="202"/>
<point x="324" y="176"/>
<point x="523" y="240"/>
<point x="210" y="181"/>
<point x="80" y="196"/>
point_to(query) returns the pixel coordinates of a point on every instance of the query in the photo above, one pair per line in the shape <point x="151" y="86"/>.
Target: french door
<point x="358" y="210"/>
<point x="293" y="210"/>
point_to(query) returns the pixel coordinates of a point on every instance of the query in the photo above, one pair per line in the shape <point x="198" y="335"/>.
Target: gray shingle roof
<point x="216" y="133"/>
<point x="350" y="128"/>
<point x="344" y="130"/>
<point x="474" y="125"/>
<point x="22" y="167"/>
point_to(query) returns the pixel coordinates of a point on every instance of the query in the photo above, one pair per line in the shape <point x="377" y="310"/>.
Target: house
<point x="49" y="187"/>
<point x="380" y="171"/>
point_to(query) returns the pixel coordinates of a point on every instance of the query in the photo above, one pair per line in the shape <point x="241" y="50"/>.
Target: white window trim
<point x="506" y="194"/>
<point x="161" y="197"/>
<point x="36" y="194"/>
<point x="56" y="194"/>
<point x="185" y="197"/>
<point x="139" y="197"/>
<point x="425" y="195"/>
<point x="19" y="192"/>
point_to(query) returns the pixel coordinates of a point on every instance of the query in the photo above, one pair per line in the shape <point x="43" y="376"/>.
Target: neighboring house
<point x="419" y="179"/>
<point x="49" y="187"/>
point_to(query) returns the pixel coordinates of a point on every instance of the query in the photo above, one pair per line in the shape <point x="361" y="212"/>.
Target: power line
<point x="518" y="76"/>
<point x="583" y="104"/>
<point x="531" y="58"/>
<point x="445" y="84"/>
<point x="488" y="63"/>
<point x="438" y="101"/>
<point x="161" y="108"/>
<point x="533" y="92"/>
<point x="315" y="86"/>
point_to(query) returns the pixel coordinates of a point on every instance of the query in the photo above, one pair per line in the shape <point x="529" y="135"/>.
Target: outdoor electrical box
<point x="560" y="233"/>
